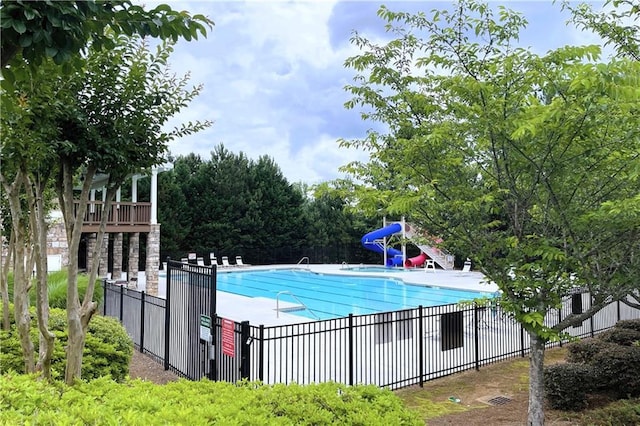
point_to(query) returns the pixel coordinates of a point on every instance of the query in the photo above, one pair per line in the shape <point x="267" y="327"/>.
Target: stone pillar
<point x="104" y="256"/>
<point x="153" y="260"/>
<point x="134" y="255"/>
<point x="117" y="256"/>
<point x="91" y="246"/>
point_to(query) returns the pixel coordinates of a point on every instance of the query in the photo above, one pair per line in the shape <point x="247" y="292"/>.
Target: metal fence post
<point x="104" y="297"/>
<point x="591" y="317"/>
<point x="121" y="302"/>
<point x="213" y="358"/>
<point x="560" y="320"/>
<point x="167" y="315"/>
<point x="142" y="305"/>
<point x="522" y="341"/>
<point x="618" y="313"/>
<point x="261" y="355"/>
<point x="421" y="345"/>
<point x="476" y="332"/>
<point x="350" y="349"/>
<point x="245" y="350"/>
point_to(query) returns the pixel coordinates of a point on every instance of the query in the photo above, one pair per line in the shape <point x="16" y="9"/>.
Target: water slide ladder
<point x="295" y="308"/>
<point x="439" y="256"/>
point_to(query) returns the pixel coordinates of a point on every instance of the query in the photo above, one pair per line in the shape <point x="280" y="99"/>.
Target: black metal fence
<point x="392" y="349"/>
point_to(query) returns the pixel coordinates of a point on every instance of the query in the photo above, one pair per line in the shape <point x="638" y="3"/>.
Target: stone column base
<point x="153" y="260"/>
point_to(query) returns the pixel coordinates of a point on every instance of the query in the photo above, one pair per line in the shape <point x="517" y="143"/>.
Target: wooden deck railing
<point x="121" y="217"/>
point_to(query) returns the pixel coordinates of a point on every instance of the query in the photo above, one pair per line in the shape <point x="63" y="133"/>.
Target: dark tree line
<point x="232" y="205"/>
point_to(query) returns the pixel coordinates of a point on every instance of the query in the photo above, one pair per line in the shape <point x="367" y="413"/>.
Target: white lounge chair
<point x="214" y="261"/>
<point x="429" y="264"/>
<point x="200" y="261"/>
<point x="239" y="261"/>
<point x="184" y="260"/>
<point x="225" y="261"/>
<point x="467" y="265"/>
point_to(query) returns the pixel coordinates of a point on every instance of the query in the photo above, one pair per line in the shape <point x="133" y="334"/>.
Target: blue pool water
<point x="335" y="296"/>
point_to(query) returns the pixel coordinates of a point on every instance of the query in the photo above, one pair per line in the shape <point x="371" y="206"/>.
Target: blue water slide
<point x="371" y="241"/>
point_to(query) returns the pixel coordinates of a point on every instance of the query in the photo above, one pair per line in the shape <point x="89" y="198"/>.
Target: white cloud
<point x="273" y="77"/>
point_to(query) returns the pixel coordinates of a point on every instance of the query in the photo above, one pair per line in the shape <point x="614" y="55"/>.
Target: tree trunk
<point x="78" y="316"/>
<point x="4" y="285"/>
<point x="536" y="383"/>
<point x="39" y="237"/>
<point x="22" y="267"/>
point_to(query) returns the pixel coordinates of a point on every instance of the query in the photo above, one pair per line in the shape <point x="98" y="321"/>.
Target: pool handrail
<point x="303" y="259"/>
<point x="304" y="307"/>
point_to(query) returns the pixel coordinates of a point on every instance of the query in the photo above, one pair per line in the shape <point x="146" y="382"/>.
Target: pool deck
<point x="262" y="311"/>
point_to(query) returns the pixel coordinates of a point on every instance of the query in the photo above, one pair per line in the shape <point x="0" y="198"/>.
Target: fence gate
<point x="198" y="343"/>
<point x="191" y="300"/>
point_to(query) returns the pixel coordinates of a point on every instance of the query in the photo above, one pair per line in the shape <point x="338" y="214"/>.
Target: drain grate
<point x="499" y="400"/>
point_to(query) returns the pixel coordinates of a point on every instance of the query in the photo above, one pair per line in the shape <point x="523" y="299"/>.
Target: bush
<point x="26" y="401"/>
<point x="620" y="336"/>
<point x="566" y="385"/>
<point x="583" y="351"/>
<point x="619" y="368"/>
<point x="633" y="324"/>
<point x="620" y="413"/>
<point x="107" y="352"/>
<point x="57" y="285"/>
<point x="57" y="289"/>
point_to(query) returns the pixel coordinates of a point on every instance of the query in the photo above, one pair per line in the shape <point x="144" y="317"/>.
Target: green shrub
<point x="619" y="413"/>
<point x="583" y="351"/>
<point x="619" y="368"/>
<point x="57" y="285"/>
<point x="27" y="401"/>
<point x="633" y="324"/>
<point x="620" y="336"/>
<point x="57" y="289"/>
<point x="566" y="385"/>
<point x="107" y="352"/>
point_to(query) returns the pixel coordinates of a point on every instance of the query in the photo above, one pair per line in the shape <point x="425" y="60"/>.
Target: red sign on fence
<point x="228" y="338"/>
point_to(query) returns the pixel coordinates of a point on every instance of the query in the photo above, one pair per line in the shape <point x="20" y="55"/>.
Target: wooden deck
<point x="121" y="217"/>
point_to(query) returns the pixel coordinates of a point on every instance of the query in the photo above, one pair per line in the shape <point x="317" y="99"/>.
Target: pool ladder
<point x="302" y="260"/>
<point x="300" y="307"/>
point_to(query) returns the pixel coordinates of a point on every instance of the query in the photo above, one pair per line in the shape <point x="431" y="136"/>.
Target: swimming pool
<point x="334" y="296"/>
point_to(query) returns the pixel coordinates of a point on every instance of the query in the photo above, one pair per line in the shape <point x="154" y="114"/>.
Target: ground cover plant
<point x="107" y="352"/>
<point x="24" y="400"/>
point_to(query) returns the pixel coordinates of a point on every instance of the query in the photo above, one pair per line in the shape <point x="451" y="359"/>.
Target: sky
<point x="273" y="76"/>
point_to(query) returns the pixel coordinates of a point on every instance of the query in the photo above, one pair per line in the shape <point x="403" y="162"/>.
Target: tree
<point x="122" y="100"/>
<point x="236" y="206"/>
<point x="34" y="31"/>
<point x="616" y="27"/>
<point x="28" y="163"/>
<point x="528" y="163"/>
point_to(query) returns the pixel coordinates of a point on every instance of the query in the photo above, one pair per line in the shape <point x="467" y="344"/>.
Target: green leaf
<point x="25" y="40"/>
<point x="51" y="51"/>
<point x="19" y="26"/>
